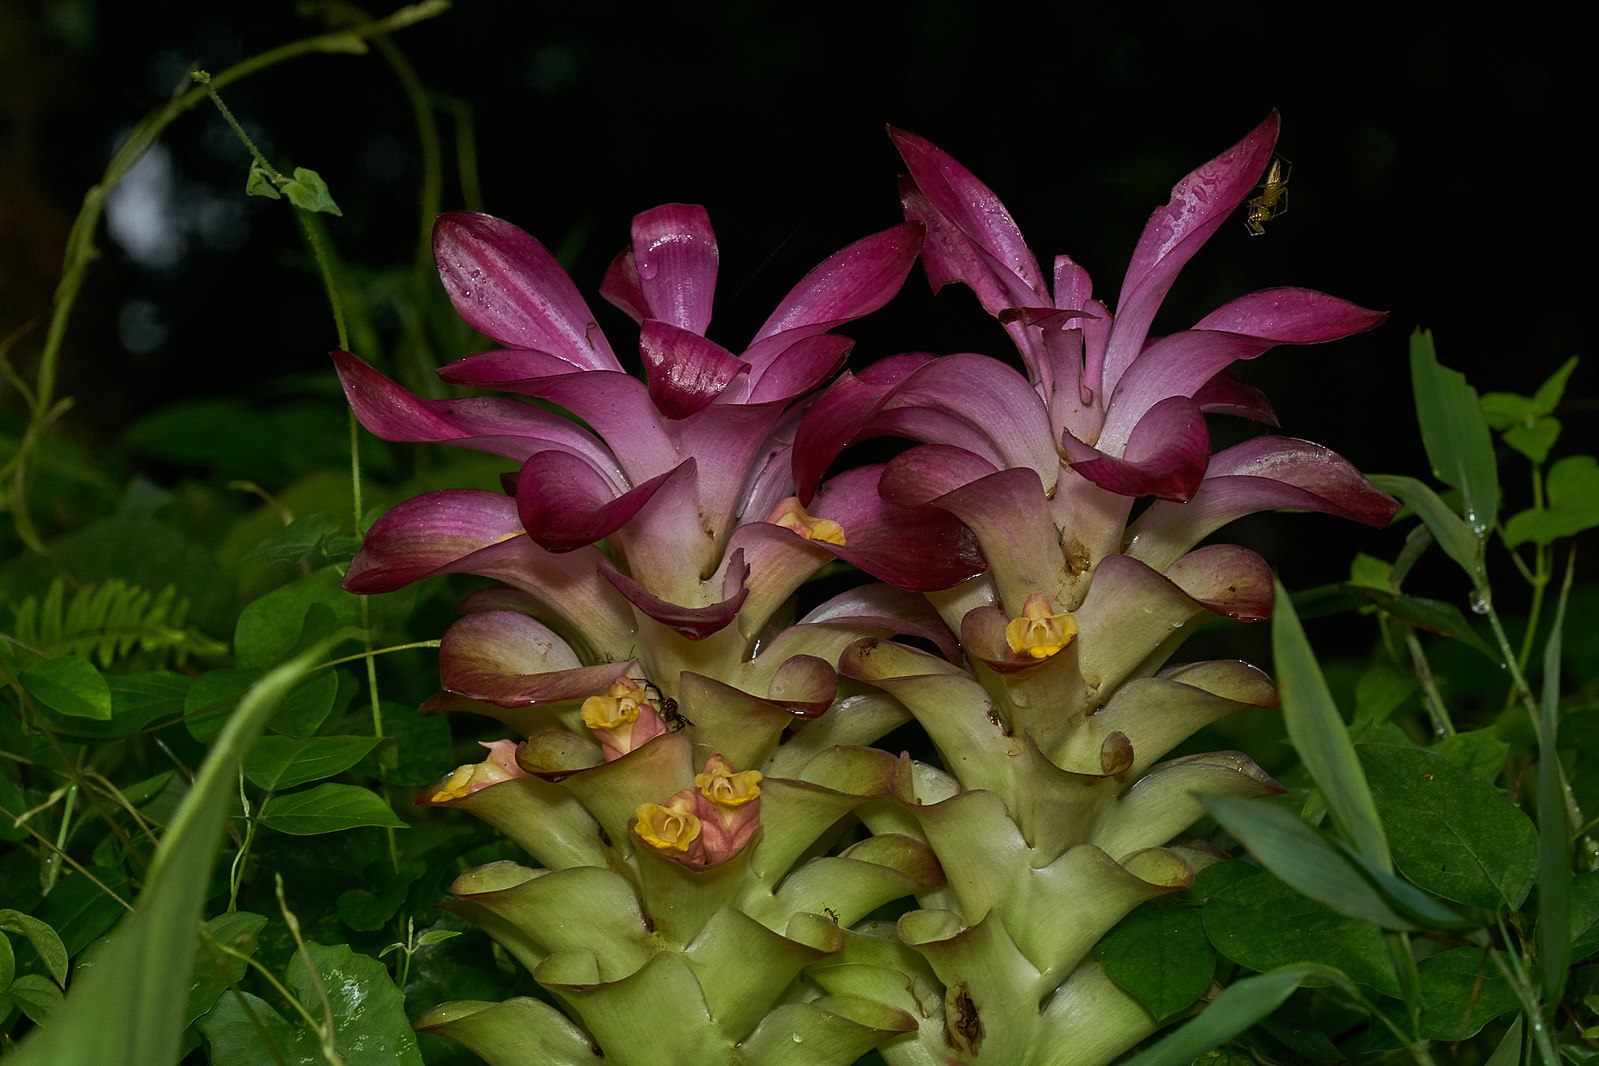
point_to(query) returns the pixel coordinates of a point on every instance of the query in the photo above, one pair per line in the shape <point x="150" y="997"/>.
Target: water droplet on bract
<point x="1480" y="603"/>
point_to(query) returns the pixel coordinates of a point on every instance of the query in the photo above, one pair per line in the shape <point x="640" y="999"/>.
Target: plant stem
<point x="1432" y="698"/>
<point x="324" y="1031"/>
<point x="80" y="250"/>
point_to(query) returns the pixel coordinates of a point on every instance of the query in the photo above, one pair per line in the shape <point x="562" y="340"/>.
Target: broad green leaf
<point x="258" y="1038"/>
<point x="1461" y="991"/>
<point x="1302" y="857"/>
<point x="214" y="971"/>
<point x="35" y="995"/>
<point x="369" y="1022"/>
<point x="296" y="540"/>
<point x="328" y="809"/>
<point x="129" y="1007"/>
<point x="79" y="910"/>
<point x="1383" y="688"/>
<point x="283" y="762"/>
<point x="269" y="628"/>
<point x="8" y="962"/>
<point x="1159" y="954"/>
<point x="1454" y="536"/>
<point x="1455" y="433"/>
<point x="1452" y="833"/>
<point x="1319" y="735"/>
<point x="1535" y="440"/>
<point x="1262" y="923"/>
<point x="71" y="686"/>
<point x="43" y="938"/>
<point x="1584" y="915"/>
<point x="1572" y="490"/>
<point x="1503" y="410"/>
<point x="1479" y="752"/>
<point x="1554" y="824"/>
<point x="1240" y="1007"/>
<point x="307" y="191"/>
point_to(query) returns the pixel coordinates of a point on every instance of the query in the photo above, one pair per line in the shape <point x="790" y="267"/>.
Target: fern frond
<point x="108" y="621"/>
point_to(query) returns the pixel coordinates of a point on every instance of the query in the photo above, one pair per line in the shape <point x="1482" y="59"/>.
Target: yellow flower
<point x="1038" y="632"/>
<point x="791" y="515"/>
<point x="669" y="827"/>
<point x="724" y="786"/>
<point x="618" y="708"/>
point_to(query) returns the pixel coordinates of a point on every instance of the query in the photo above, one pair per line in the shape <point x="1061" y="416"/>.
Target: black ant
<point x="674" y="718"/>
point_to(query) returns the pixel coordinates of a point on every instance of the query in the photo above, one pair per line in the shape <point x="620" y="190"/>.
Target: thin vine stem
<point x="80" y="249"/>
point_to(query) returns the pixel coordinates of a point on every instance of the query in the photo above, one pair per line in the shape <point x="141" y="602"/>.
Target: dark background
<point x="1434" y="157"/>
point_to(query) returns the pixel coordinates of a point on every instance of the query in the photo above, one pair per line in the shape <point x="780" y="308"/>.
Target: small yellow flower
<point x="1038" y="632"/>
<point x="791" y="515"/>
<point x="669" y="827"/>
<point x="618" y="708"/>
<point x="726" y="787"/>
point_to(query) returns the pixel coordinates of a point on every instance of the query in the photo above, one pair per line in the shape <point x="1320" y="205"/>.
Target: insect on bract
<point x="1272" y="199"/>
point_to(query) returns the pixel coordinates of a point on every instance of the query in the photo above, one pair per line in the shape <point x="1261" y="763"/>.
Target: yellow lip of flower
<point x="666" y="828"/>
<point x="726" y="787"/>
<point x="609" y="712"/>
<point x="1038" y="632"/>
<point x="458" y="785"/>
<point x="791" y="515"/>
<point x="618" y="708"/>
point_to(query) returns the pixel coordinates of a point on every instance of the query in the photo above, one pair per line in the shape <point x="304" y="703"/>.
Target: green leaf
<point x="1241" y="1006"/>
<point x="1367" y="571"/>
<point x="1159" y="954"/>
<point x="129" y="1007"/>
<point x="1461" y="991"/>
<point x="436" y="936"/>
<point x="214" y="971"/>
<point x="283" y="762"/>
<point x="8" y="963"/>
<point x="70" y="686"/>
<point x="43" y="938"/>
<point x="1452" y="832"/>
<point x="1554" y="824"/>
<point x="1534" y="441"/>
<point x="1435" y="616"/>
<point x="1454" y="536"/>
<point x="328" y="809"/>
<point x="1479" y="752"/>
<point x="213" y="695"/>
<point x="1302" y="857"/>
<point x="296" y="540"/>
<point x="1572" y="490"/>
<point x="369" y="1022"/>
<point x="1455" y="433"/>
<point x="1503" y="410"/>
<point x="259" y="184"/>
<point x="1508" y="1053"/>
<point x="307" y="191"/>
<point x="1318" y="734"/>
<point x="1548" y="396"/>
<point x="35" y="995"/>
<point x="1262" y="923"/>
<point x="1584" y="915"/>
